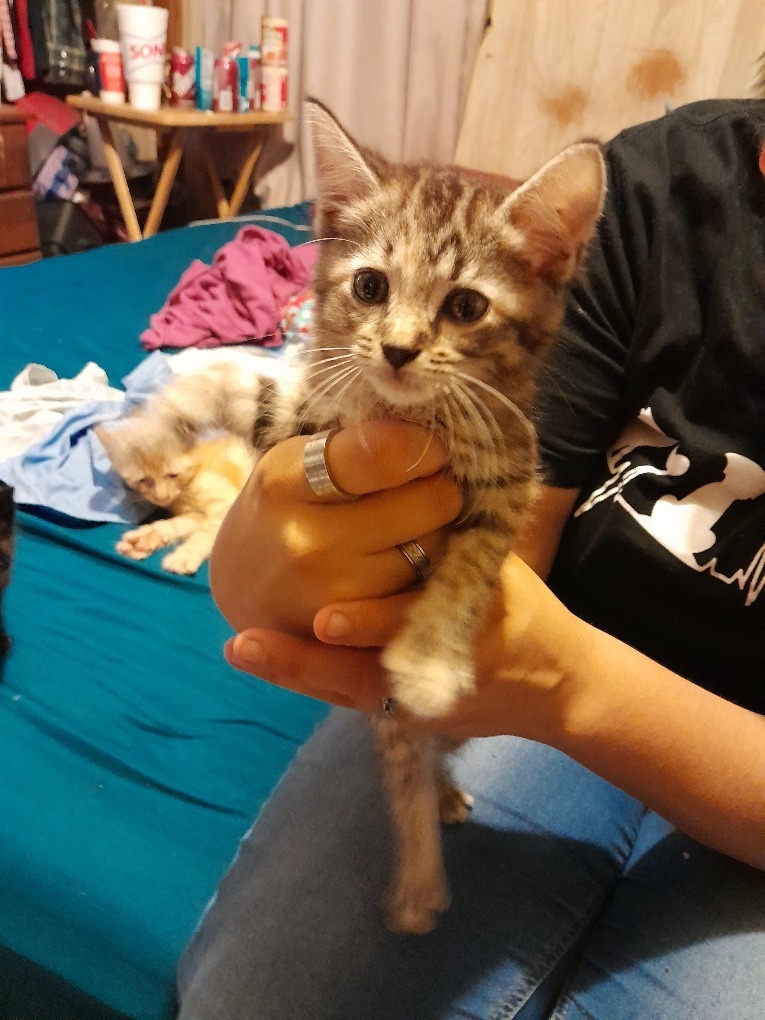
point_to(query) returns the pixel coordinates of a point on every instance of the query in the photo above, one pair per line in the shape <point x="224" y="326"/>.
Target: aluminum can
<point x="254" y="77"/>
<point x="183" y="91"/>
<point x="273" y="88"/>
<point x="225" y="85"/>
<point x="274" y="36"/>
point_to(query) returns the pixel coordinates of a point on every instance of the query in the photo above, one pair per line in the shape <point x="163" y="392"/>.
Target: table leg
<point x="165" y="182"/>
<point x="245" y="176"/>
<point x="221" y="202"/>
<point x="119" y="180"/>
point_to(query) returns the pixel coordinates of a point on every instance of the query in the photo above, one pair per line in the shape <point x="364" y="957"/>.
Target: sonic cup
<point x="143" y="35"/>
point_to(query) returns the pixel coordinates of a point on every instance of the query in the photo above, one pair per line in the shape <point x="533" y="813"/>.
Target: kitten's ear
<point x="342" y="172"/>
<point x="108" y="440"/>
<point x="556" y="210"/>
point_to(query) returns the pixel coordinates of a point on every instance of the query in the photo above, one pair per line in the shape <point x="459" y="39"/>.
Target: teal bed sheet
<point x="133" y="758"/>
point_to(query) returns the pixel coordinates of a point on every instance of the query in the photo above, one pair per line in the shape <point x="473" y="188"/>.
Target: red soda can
<point x="225" y="85"/>
<point x="183" y="90"/>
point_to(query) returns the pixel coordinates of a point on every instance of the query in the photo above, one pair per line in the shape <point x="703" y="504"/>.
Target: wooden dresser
<point x="19" y="236"/>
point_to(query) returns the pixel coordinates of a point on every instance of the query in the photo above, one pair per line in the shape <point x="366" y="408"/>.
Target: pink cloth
<point x="240" y="297"/>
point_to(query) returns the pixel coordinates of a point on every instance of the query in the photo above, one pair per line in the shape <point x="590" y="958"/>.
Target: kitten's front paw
<point x="139" y="544"/>
<point x="429" y="686"/>
<point x="179" y="561"/>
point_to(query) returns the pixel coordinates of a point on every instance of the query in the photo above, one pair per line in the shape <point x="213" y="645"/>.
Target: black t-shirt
<point x="653" y="402"/>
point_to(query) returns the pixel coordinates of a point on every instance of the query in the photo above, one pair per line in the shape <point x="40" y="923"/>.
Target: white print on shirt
<point x="684" y="527"/>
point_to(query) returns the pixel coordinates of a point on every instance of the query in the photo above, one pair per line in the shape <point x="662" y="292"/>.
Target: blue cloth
<point x="570" y="901"/>
<point x="69" y="472"/>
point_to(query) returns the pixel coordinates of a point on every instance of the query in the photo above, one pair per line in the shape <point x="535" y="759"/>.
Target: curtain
<point x="395" y="72"/>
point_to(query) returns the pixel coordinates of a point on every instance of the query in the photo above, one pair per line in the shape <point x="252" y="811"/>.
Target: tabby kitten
<point x="437" y="296"/>
<point x="7" y="517"/>
<point x="196" y="481"/>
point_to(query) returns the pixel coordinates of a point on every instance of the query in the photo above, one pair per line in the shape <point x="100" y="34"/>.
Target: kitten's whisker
<point x="450" y="425"/>
<point x="471" y="379"/>
<point x="496" y="437"/>
<point x="316" y="240"/>
<point x="327" y="361"/>
<point x="339" y="398"/>
<point x="335" y="349"/>
<point x="428" y="441"/>
<point x="362" y="433"/>
<point x="469" y="410"/>
<point x="324" y="388"/>
<point x="327" y="365"/>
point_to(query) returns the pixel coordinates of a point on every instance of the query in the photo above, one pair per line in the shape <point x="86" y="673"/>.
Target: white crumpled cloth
<point x="37" y="401"/>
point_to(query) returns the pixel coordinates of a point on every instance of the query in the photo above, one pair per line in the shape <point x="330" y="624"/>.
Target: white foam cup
<point x="143" y="35"/>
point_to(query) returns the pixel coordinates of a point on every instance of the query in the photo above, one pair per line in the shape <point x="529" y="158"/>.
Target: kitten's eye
<point x="171" y="474"/>
<point x="147" y="483"/>
<point x="465" y="305"/>
<point x="370" y="286"/>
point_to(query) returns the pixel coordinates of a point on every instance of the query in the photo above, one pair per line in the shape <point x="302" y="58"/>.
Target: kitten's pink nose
<point x="399" y="356"/>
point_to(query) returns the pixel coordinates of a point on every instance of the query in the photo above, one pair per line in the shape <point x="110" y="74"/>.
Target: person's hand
<point x="281" y="553"/>
<point x="521" y="657"/>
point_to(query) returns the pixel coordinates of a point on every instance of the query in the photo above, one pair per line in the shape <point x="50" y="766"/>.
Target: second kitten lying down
<point x="195" y="481"/>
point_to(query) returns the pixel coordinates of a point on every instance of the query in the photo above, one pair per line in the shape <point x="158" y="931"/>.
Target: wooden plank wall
<point x="550" y="72"/>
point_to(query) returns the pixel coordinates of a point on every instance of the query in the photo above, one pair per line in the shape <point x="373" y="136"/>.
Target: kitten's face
<point x="433" y="279"/>
<point x="158" y="471"/>
<point x="159" y="480"/>
<point x="423" y="290"/>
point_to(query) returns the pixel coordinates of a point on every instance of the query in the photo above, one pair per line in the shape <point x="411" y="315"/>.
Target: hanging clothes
<point x="13" y="84"/>
<point x="36" y="20"/>
<point x="67" y="58"/>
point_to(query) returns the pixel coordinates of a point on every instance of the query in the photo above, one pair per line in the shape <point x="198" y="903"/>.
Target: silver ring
<point x="388" y="706"/>
<point x="417" y="559"/>
<point x="316" y="470"/>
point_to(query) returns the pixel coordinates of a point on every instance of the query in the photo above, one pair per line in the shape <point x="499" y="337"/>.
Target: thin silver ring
<point x="389" y="706"/>
<point x="316" y="470"/>
<point x="417" y="559"/>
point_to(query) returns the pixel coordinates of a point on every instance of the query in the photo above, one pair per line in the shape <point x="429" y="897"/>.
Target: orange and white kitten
<point x="195" y="481"/>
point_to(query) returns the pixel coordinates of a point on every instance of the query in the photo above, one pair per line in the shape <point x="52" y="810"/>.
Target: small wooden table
<point x="179" y="124"/>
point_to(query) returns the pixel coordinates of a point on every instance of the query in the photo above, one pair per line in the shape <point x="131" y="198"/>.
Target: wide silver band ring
<point x="417" y="559"/>
<point x="316" y="470"/>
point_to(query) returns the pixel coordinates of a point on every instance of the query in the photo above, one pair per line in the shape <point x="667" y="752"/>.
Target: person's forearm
<point x="695" y="758"/>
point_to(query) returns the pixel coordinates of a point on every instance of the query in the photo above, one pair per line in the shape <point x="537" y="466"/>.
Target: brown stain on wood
<point x="565" y="107"/>
<point x="659" y="73"/>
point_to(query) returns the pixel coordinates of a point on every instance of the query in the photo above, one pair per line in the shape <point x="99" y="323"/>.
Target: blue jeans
<point x="569" y="900"/>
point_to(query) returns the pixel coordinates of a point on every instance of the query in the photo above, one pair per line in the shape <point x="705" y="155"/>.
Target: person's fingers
<point x="383" y="455"/>
<point x="361" y="459"/>
<point x="352" y="678"/>
<point x="369" y="623"/>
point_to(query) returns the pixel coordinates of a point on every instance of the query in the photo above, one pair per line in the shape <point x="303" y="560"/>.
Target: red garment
<point x="240" y="297"/>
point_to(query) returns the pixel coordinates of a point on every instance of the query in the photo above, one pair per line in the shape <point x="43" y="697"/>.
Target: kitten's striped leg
<point x="419" y="890"/>
<point x="430" y="661"/>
